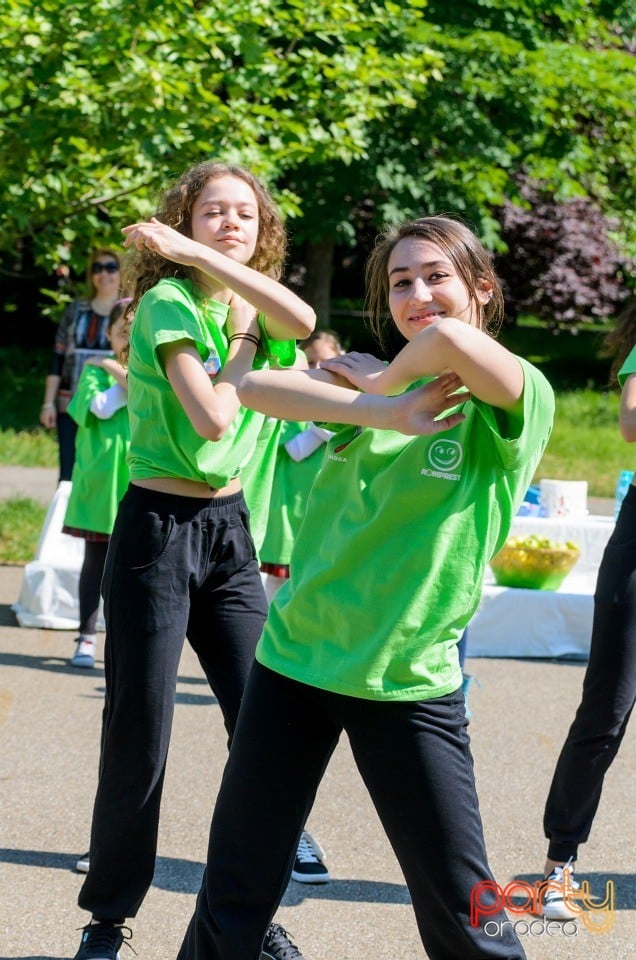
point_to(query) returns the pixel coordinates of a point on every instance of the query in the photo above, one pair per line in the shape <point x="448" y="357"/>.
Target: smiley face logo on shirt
<point x="445" y="455"/>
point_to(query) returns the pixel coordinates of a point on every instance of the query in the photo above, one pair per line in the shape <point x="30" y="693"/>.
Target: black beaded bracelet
<point x="245" y="336"/>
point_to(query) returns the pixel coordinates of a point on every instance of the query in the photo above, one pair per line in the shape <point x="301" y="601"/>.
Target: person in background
<point x="609" y="684"/>
<point x="181" y="561"/>
<point x="299" y="457"/>
<point x="430" y="460"/>
<point x="82" y="332"/>
<point x="100" y="473"/>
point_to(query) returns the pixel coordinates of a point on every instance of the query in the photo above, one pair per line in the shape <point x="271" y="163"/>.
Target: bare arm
<point x="317" y="395"/>
<point x="288" y="316"/>
<point x="488" y="370"/>
<point x="627" y="414"/>
<point x="48" y="413"/>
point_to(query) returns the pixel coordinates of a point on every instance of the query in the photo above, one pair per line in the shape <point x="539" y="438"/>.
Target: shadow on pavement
<point x="51" y="664"/>
<point x="624" y="885"/>
<point x="184" y="876"/>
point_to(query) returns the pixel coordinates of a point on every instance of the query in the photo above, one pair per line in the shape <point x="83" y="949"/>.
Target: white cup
<point x="563" y="498"/>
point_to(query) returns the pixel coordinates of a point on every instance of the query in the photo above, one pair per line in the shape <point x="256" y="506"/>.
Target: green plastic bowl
<point x="533" y="568"/>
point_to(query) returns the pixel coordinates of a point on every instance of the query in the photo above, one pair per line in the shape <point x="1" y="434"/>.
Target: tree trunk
<point x="317" y="286"/>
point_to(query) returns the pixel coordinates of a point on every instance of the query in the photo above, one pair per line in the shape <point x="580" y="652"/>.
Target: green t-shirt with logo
<point x="100" y="472"/>
<point x="390" y="563"/>
<point x="163" y="441"/>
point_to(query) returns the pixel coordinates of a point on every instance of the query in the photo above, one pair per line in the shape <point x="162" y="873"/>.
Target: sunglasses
<point x="110" y="267"/>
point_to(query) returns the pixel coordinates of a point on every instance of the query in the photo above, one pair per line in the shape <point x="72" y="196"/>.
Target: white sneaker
<point x="558" y="902"/>
<point x="82" y="864"/>
<point x="84" y="655"/>
<point x="308" y="865"/>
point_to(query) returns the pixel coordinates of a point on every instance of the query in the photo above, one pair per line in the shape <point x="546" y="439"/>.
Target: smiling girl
<point x="419" y="490"/>
<point x="181" y="561"/>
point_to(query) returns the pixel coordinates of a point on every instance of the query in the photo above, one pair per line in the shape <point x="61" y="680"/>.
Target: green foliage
<point x="21" y="521"/>
<point x="106" y="100"/>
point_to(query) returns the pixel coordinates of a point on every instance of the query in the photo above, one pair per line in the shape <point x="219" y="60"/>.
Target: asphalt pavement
<point x="49" y="731"/>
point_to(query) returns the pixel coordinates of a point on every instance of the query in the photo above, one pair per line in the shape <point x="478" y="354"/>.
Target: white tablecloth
<point x="544" y="623"/>
<point x="49" y="596"/>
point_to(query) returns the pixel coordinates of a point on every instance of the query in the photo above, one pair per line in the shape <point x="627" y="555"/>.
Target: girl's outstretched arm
<point x="487" y="369"/>
<point x="288" y="316"/>
<point x="317" y="395"/>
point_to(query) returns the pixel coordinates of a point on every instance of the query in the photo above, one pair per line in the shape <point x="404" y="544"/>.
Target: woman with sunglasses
<point x="82" y="333"/>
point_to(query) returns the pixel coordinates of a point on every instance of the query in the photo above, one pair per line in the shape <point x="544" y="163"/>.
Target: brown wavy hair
<point x="619" y="342"/>
<point x="144" y="268"/>
<point x="465" y="251"/>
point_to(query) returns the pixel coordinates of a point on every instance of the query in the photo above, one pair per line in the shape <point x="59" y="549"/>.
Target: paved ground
<point x="49" y="728"/>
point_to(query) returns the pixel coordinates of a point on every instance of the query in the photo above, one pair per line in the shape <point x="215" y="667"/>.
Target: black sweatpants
<point x="176" y="567"/>
<point x="609" y="691"/>
<point x="415" y="760"/>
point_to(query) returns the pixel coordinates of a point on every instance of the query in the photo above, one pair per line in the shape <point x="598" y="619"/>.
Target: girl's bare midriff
<point x="180" y="487"/>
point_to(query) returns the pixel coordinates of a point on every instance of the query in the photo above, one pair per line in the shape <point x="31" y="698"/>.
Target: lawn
<point x="585" y="444"/>
<point x="21" y="521"/>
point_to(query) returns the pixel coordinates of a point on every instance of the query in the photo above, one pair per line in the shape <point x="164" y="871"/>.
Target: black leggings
<point x="415" y="760"/>
<point x="66" y="432"/>
<point x="176" y="567"/>
<point x="609" y="691"/>
<point x="90" y="583"/>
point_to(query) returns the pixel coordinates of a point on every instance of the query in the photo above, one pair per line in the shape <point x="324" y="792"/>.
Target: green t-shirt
<point x="163" y="441"/>
<point x="100" y="473"/>
<point x="290" y="491"/>
<point x="258" y="476"/>
<point x="629" y="367"/>
<point x="390" y="563"/>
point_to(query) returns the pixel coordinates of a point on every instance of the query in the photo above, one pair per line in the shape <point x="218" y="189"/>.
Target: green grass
<point x="21" y="522"/>
<point x="586" y="443"/>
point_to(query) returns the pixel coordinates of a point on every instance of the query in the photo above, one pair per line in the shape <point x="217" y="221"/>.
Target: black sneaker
<point x="308" y="865"/>
<point x="101" y="941"/>
<point x="277" y="945"/>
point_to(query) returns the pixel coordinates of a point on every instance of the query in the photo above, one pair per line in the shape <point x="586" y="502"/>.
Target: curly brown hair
<point x="144" y="268"/>
<point x="619" y="342"/>
<point x="465" y="251"/>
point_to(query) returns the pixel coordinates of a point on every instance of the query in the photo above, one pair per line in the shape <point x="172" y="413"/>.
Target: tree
<point x="103" y="104"/>
<point x="561" y="264"/>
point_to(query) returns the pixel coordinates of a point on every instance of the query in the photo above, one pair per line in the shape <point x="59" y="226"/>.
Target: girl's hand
<point x="94" y="361"/>
<point x="242" y="317"/>
<point x="416" y="411"/>
<point x="48" y="415"/>
<point x="162" y="239"/>
<point x="363" y="370"/>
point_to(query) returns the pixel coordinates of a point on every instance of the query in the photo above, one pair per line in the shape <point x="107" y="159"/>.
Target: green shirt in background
<point x="163" y="441"/>
<point x="100" y="473"/>
<point x="389" y="564"/>
<point x="293" y="480"/>
<point x="629" y="367"/>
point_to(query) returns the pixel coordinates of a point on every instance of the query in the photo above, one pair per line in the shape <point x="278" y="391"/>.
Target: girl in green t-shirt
<point x="418" y="488"/>
<point x="100" y="472"/>
<point x="181" y="561"/>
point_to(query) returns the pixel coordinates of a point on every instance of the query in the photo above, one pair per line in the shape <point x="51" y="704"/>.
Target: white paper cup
<point x="563" y="498"/>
